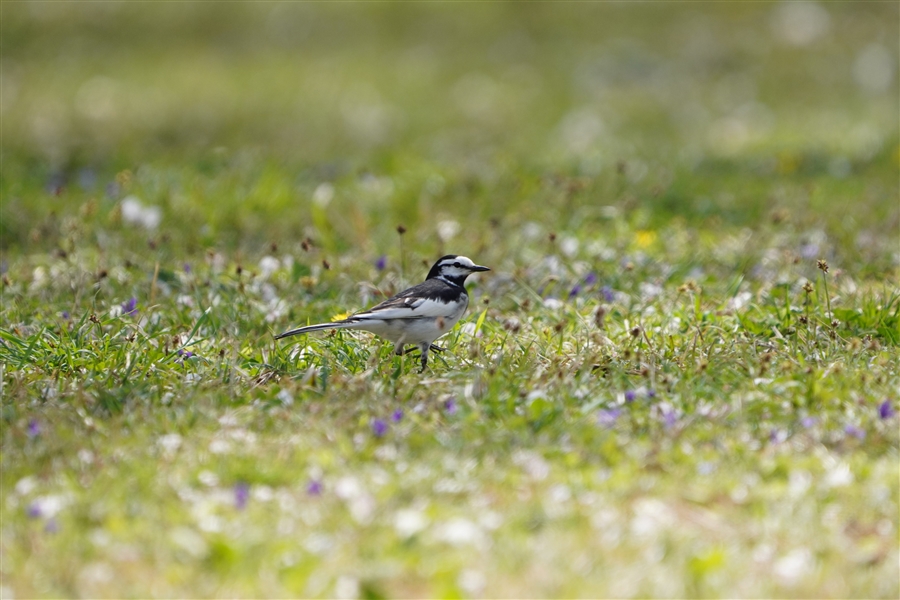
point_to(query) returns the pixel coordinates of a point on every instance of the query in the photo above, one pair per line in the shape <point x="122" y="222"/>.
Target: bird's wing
<point x="409" y="304"/>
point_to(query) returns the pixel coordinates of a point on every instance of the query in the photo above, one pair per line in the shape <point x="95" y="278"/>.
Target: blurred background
<point x="425" y="104"/>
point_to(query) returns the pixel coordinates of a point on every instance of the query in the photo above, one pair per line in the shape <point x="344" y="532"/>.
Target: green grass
<point x="656" y="390"/>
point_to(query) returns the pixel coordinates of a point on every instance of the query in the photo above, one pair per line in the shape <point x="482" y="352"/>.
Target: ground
<point x="679" y="379"/>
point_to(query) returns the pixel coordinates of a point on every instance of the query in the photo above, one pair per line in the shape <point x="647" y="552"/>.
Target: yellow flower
<point x="340" y="316"/>
<point x="644" y="237"/>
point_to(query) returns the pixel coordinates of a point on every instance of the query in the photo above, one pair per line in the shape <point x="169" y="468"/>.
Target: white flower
<point x="135" y="213"/>
<point x="409" y="522"/>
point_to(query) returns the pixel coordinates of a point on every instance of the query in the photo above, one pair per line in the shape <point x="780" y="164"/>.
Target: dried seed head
<point x="635" y="331"/>
<point x="326" y="265"/>
<point x="512" y="324"/>
<point x="599" y="315"/>
<point x="808" y="287"/>
<point x="401" y="229"/>
<point x="822" y="264"/>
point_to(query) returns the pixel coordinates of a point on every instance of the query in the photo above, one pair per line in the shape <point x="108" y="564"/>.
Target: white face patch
<point x="456" y="267"/>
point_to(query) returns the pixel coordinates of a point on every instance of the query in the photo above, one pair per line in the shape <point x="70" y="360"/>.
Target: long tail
<point x="319" y="327"/>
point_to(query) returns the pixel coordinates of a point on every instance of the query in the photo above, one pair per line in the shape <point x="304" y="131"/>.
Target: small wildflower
<point x="576" y="289"/>
<point x="33" y="511"/>
<point x="608" y="417"/>
<point x="669" y="418"/>
<point x="65" y="315"/>
<point x="808" y="422"/>
<point x="885" y="410"/>
<point x="450" y="406"/>
<point x="52" y="526"/>
<point x="187" y="267"/>
<point x="379" y="427"/>
<point x="630" y="395"/>
<point x="397" y="415"/>
<point x="241" y="495"/>
<point x="314" y="487"/>
<point x="822" y="265"/>
<point x="607" y="293"/>
<point x="34" y="428"/>
<point x="130" y="307"/>
<point x="651" y="393"/>
<point x="590" y="278"/>
<point x="855" y="431"/>
<point x="381" y="263"/>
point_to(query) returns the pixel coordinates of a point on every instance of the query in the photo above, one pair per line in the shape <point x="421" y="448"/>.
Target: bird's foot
<point x="435" y="348"/>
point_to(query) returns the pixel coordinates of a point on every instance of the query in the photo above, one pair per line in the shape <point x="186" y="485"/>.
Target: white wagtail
<point x="418" y="315"/>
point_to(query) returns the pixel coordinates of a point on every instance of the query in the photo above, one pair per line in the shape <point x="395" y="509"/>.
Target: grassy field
<point x="680" y="378"/>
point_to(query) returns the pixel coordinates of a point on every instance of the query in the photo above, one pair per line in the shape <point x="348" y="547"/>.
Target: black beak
<point x="478" y="268"/>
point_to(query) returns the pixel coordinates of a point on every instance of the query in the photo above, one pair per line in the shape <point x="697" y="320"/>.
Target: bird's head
<point x="454" y="269"/>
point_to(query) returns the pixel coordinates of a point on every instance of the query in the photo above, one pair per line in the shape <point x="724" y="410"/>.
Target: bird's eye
<point x="457" y="265"/>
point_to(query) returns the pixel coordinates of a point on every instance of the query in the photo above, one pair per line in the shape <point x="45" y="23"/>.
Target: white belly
<point x="422" y="330"/>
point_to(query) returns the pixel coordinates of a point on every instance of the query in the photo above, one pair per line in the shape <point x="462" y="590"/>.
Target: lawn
<point x="680" y="378"/>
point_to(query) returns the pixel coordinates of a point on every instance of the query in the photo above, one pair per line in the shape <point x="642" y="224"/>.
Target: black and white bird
<point x="418" y="315"/>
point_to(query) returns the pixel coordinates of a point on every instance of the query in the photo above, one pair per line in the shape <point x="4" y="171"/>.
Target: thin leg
<point x="424" y="350"/>
<point x="434" y="348"/>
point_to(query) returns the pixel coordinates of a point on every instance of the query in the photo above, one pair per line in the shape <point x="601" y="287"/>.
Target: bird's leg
<point x="434" y="348"/>
<point x="424" y="349"/>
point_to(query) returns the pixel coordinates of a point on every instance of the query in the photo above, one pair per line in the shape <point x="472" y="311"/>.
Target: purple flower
<point x="130" y="307"/>
<point x="379" y="427"/>
<point x="34" y="428"/>
<point x="808" y="422"/>
<point x="776" y="436"/>
<point x="630" y="395"/>
<point x="314" y="487"/>
<point x="184" y="354"/>
<point x="450" y="406"/>
<point x="65" y="315"/>
<point x="381" y="263"/>
<point x="187" y="267"/>
<point x="809" y="251"/>
<point x="651" y="393"/>
<point x="241" y="495"/>
<point x="855" y="431"/>
<point x="885" y="410"/>
<point x="590" y="278"/>
<point x="576" y="289"/>
<point x="607" y="293"/>
<point x="397" y="415"/>
<point x="608" y="417"/>
<point x="52" y="526"/>
<point x="33" y="511"/>
<point x="669" y="419"/>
